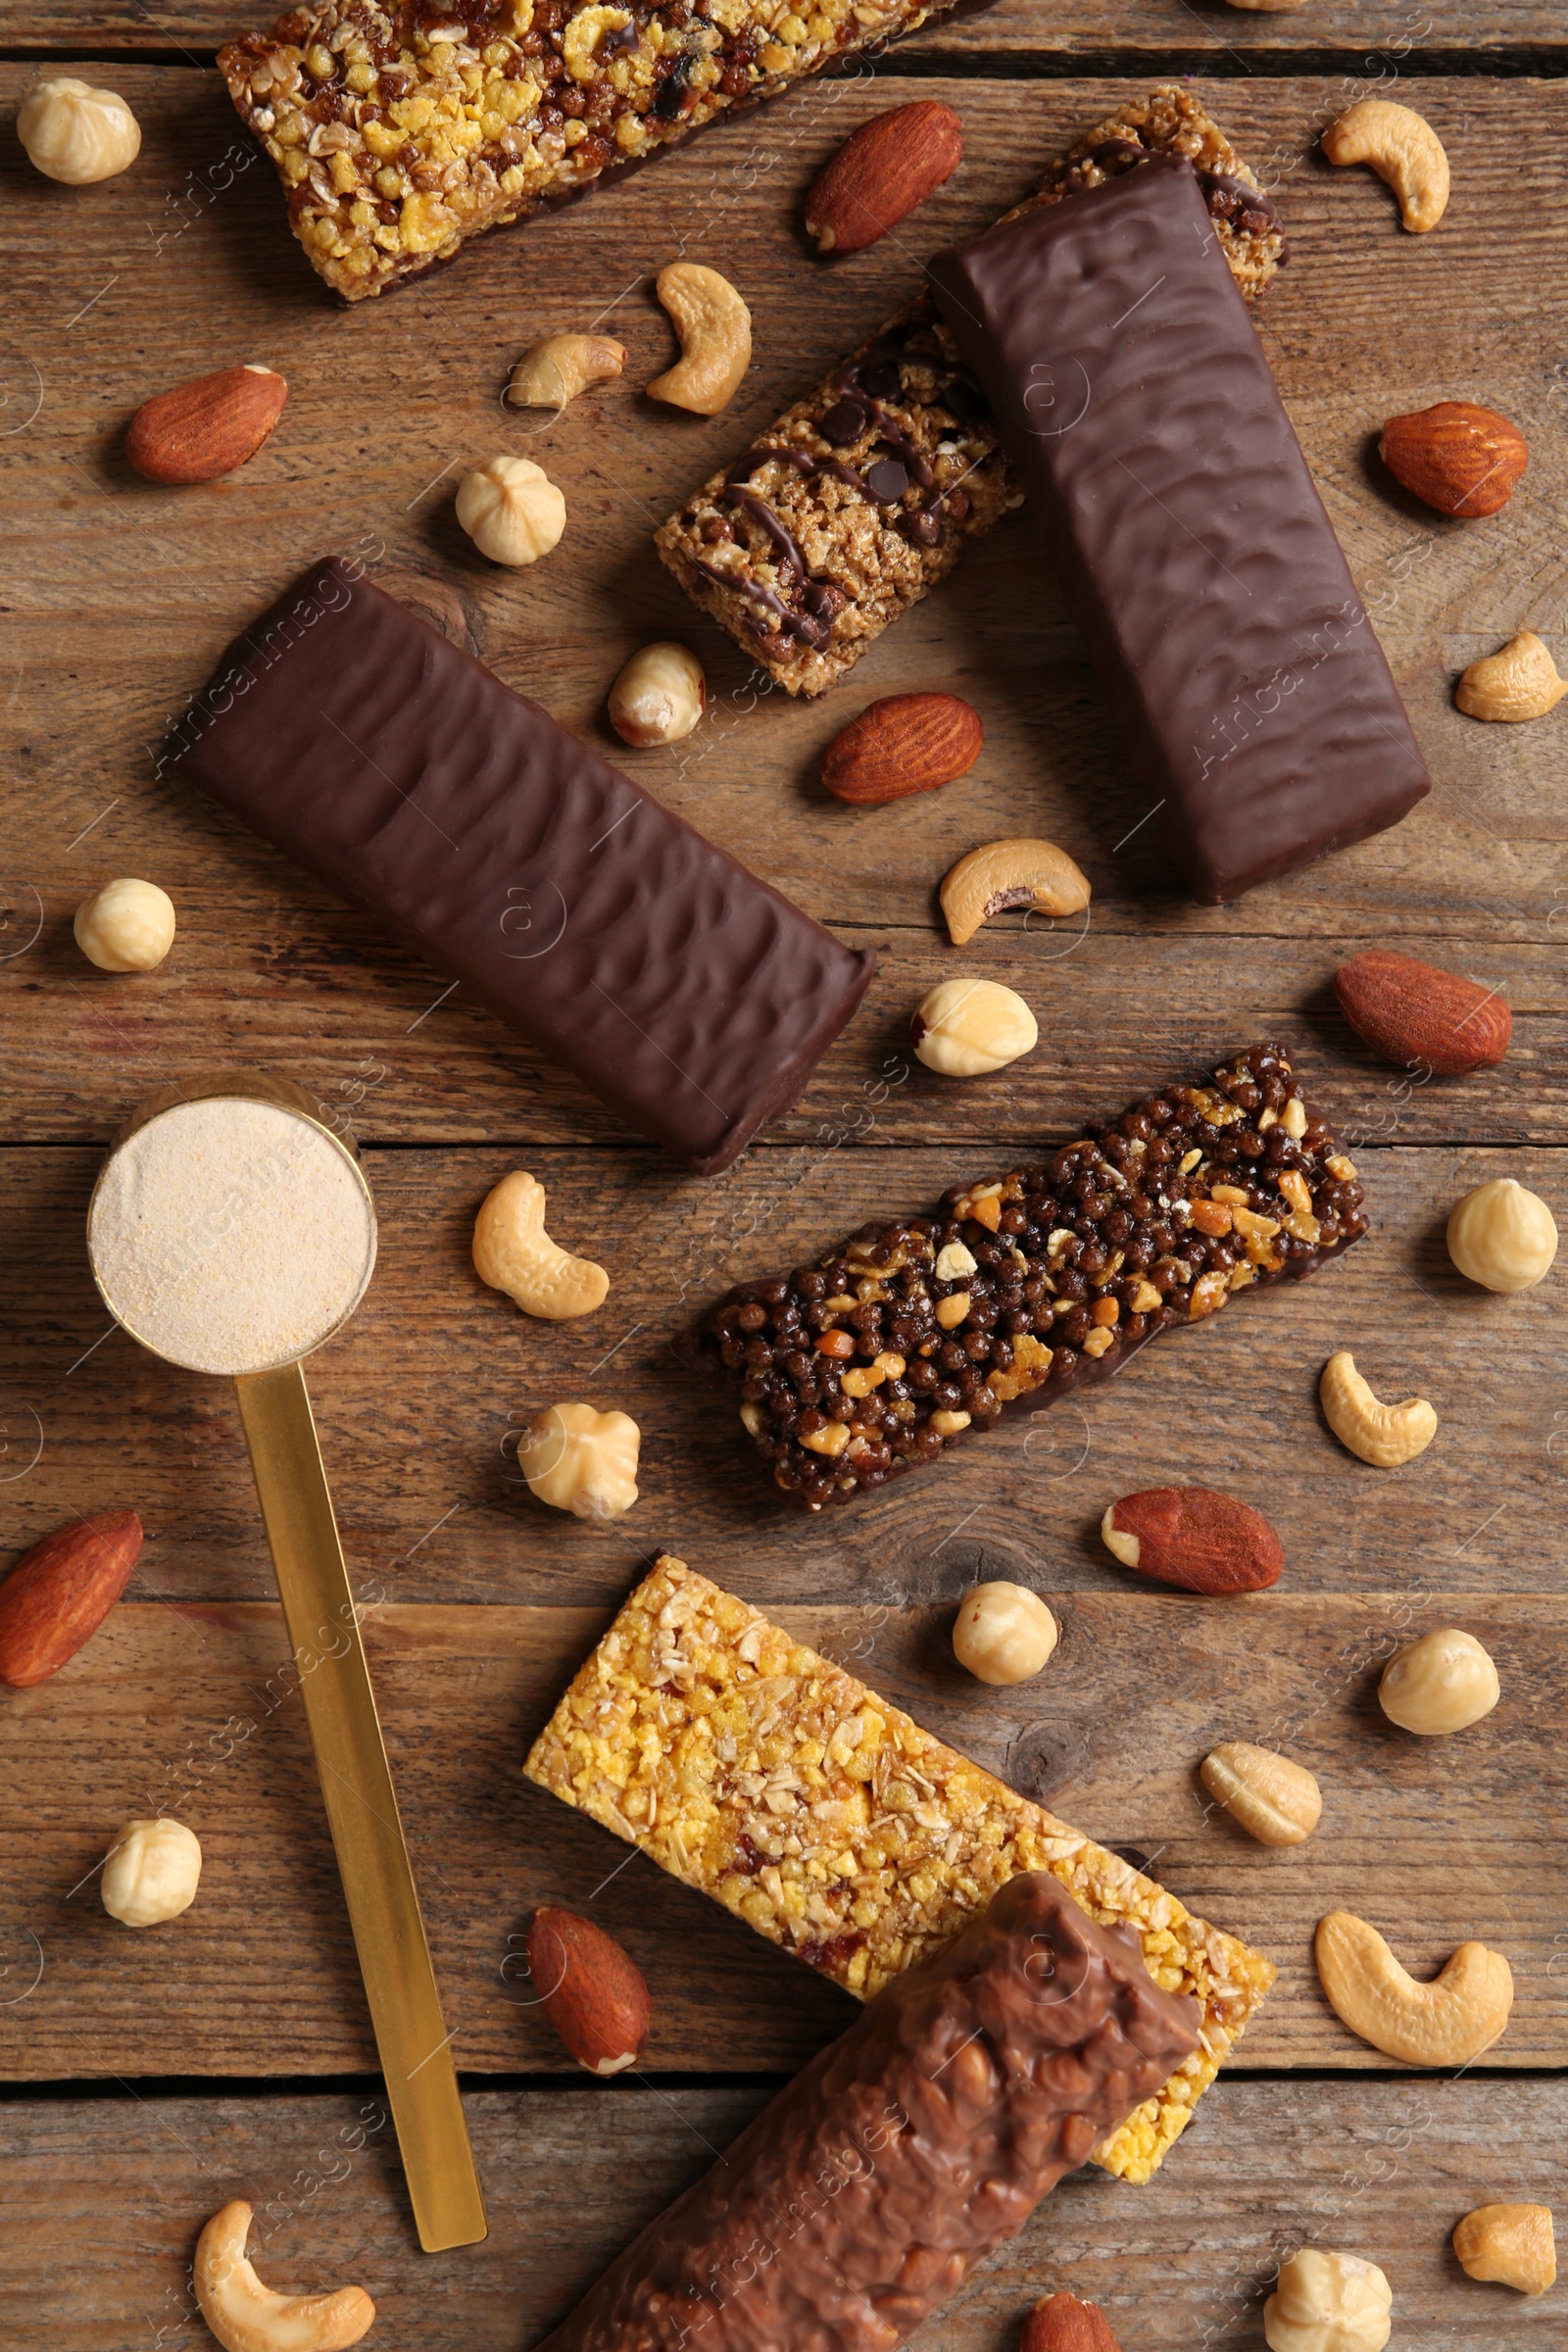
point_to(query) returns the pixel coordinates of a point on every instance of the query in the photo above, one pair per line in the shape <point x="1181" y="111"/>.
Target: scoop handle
<point x="361" y="1807"/>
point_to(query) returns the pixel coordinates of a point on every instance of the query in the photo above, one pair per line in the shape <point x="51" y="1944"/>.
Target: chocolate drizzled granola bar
<point x="402" y="128"/>
<point x="865" y="493"/>
<point x="1024" y="1287"/>
<point x="769" y="1778"/>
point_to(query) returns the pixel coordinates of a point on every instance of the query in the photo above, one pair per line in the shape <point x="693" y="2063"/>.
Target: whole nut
<point x="552" y="372"/>
<point x="1510" y="2244"/>
<point x="881" y="172"/>
<point x="1503" y="1237"/>
<point x="1410" y="1012"/>
<point x="200" y="430"/>
<point x="1519" y="682"/>
<point x="1004" y="1633"/>
<point x="1451" y="2021"/>
<point x="582" y="1461"/>
<point x="151" y="1873"/>
<point x="591" y="1989"/>
<point x="714" y="327"/>
<point x="513" y="1252"/>
<point x="1462" y="459"/>
<point x="1328" y="2303"/>
<point x="1402" y="149"/>
<point x="1276" y="1801"/>
<point x="1384" y="1434"/>
<point x="903" y="744"/>
<point x="511" y="511"/>
<point x="247" y="2317"/>
<point x="966" y="1027"/>
<point x="1443" y="1683"/>
<point x="1061" y="2323"/>
<point x="1193" y="1538"/>
<point x="659" y="696"/>
<point x="59" y="1594"/>
<point x="78" y="134"/>
<point x="128" y="926"/>
<point x="1010" y="873"/>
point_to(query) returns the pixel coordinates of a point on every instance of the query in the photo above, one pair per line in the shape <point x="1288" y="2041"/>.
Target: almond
<point x="906" y="743"/>
<point x="881" y="172"/>
<point x="1410" y="1012"/>
<point x="1195" y="1539"/>
<point x="207" y="427"/>
<point x="593" y="1993"/>
<point x="1061" y="2323"/>
<point x="1460" y="458"/>
<point x="59" y="1594"/>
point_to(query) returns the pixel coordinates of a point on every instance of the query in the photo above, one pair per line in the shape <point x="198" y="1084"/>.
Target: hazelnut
<point x="581" y="1462"/>
<point x="966" y="1027"/>
<point x="658" y="696"/>
<point x="151" y="1873"/>
<point x="1503" y="1237"/>
<point x="1276" y="1801"/>
<point x="128" y="926"/>
<point x="511" y="511"/>
<point x="78" y="134"/>
<point x="1443" y="1683"/>
<point x="1511" y="2244"/>
<point x="1003" y="1632"/>
<point x="1328" y="2303"/>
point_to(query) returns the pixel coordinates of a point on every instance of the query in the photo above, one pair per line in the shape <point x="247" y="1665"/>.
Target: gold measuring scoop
<point x="232" y="1230"/>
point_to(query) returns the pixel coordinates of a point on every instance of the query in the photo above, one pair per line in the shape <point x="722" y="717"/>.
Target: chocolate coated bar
<point x="1135" y="402"/>
<point x="692" y="999"/>
<point x="911" y="2148"/>
<point x="1023" y="1287"/>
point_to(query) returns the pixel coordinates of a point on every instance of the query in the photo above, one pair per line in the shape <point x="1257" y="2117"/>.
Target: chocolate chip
<point x="887" y="480"/>
<point x="845" y="421"/>
<point x="884" y="380"/>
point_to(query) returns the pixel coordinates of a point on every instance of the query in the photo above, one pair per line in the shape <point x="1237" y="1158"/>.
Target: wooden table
<point x="152" y="2076"/>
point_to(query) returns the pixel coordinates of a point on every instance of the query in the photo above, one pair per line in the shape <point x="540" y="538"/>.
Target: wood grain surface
<point x="107" y="2219"/>
<point x="117" y="598"/>
<point x="192" y="1707"/>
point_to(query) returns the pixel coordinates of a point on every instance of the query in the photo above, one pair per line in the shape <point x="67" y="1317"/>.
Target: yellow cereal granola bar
<point x="748" y="1767"/>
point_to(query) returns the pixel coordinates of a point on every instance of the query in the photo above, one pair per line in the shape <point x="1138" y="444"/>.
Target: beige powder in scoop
<point x="230" y="1235"/>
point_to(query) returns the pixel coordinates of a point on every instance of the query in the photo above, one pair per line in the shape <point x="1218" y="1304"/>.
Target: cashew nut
<point x="247" y="2317"/>
<point x="551" y="373"/>
<point x="714" y="327"/>
<point x="1446" y="2023"/>
<point x="1010" y="873"/>
<point x="1510" y="2243"/>
<point x="513" y="1252"/>
<point x="1402" y="149"/>
<point x="1520" y="681"/>
<point x="1384" y="1434"/>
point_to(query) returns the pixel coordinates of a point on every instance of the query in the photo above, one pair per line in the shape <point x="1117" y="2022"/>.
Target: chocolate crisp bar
<point x="908" y="2151"/>
<point x="1171" y="498"/>
<point x="861" y="497"/>
<point x="692" y="999"/>
<point x="1022" y="1288"/>
<point x="765" y="1775"/>
<point x="401" y="130"/>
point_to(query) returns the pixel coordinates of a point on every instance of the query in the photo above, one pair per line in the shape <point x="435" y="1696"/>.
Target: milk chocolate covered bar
<point x="908" y="2151"/>
<point x="862" y="496"/>
<point x="689" y="996"/>
<point x="773" y="1780"/>
<point x="921" y="1332"/>
<point x="1173" y="501"/>
<point x="399" y="128"/>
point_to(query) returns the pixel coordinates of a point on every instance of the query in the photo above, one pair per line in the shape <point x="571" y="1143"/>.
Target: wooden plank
<point x="159" y="275"/>
<point x="1383" y="2170"/>
<point x="421" y="1401"/>
<point x="187" y="1705"/>
<point x="1014" y="31"/>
